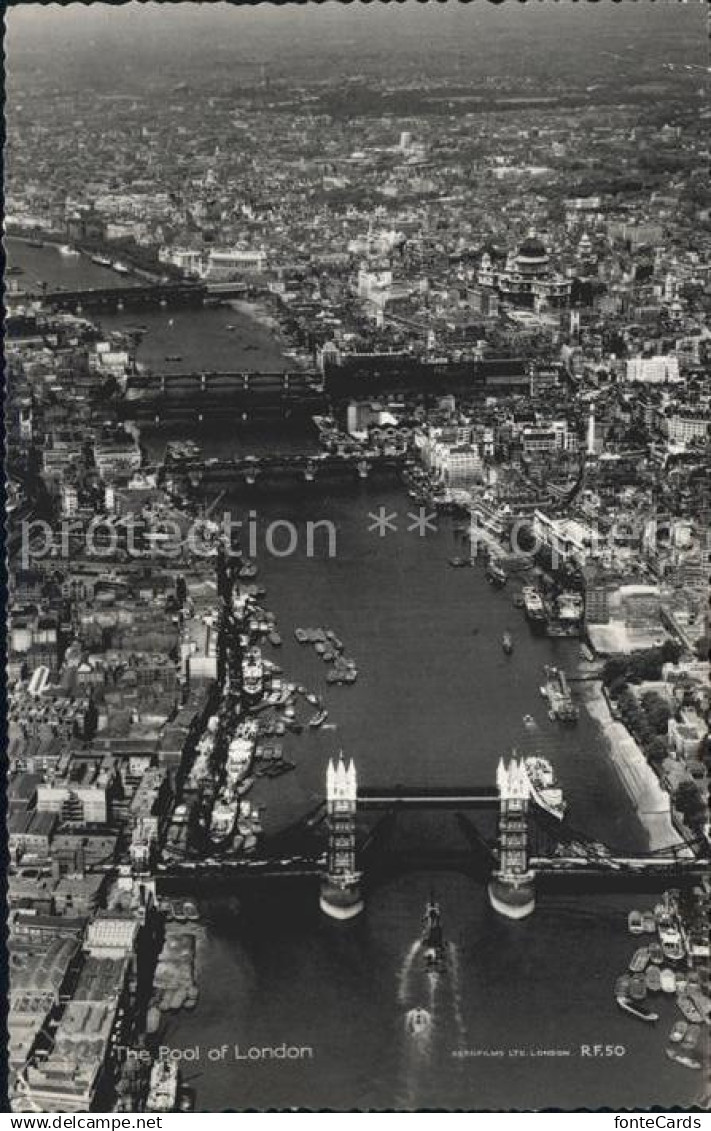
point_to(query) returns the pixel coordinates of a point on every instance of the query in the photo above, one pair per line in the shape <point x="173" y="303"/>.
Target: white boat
<point x="120" y="267"/>
<point x="224" y="816"/>
<point x="69" y="251"/>
<point x="669" y="932"/>
<point x="241" y="752"/>
<point x="668" y="980"/>
<point x="253" y="674"/>
<point x="637" y="1010"/>
<point x="545" y="790"/>
<point x="533" y="604"/>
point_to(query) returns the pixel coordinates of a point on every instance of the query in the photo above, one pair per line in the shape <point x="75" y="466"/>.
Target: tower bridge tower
<point x="341" y="896"/>
<point x="511" y="889"/>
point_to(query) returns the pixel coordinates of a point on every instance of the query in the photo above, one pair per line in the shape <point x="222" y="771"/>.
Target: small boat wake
<point x="456" y="995"/>
<point x="429" y="987"/>
<point x="405" y="971"/>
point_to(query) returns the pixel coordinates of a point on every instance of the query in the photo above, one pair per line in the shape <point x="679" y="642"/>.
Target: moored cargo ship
<point x="241" y="752"/>
<point x="544" y="787"/>
<point x="534" y="608"/>
<point x="557" y="692"/>
<point x="533" y="603"/>
<point x="253" y="675"/>
<point x="224" y="817"/>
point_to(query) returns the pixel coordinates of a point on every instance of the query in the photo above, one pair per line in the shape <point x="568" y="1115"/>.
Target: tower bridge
<point x="408" y="797"/>
<point x="514" y="868"/>
<point x="531" y="851"/>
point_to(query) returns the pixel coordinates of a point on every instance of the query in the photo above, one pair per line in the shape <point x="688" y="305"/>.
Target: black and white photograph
<point x="357" y="398"/>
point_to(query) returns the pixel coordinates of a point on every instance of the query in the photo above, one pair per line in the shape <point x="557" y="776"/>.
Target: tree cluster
<point x="642" y="666"/>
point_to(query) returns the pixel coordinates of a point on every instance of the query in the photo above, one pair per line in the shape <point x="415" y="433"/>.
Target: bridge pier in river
<point x="341" y="896"/>
<point x="511" y="888"/>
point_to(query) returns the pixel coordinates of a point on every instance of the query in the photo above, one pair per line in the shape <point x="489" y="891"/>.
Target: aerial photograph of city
<point x="358" y="423"/>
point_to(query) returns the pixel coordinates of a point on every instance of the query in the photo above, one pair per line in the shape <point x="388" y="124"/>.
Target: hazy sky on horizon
<point x="109" y="47"/>
<point x="29" y="23"/>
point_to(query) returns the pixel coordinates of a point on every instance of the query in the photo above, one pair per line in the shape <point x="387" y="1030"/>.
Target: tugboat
<point x="533" y="604"/>
<point x="496" y="575"/>
<point x="507" y="643"/>
<point x="433" y="940"/>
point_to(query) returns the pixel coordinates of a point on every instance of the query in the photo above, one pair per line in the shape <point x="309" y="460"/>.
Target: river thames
<point x="522" y="1006"/>
<point x="436" y="703"/>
